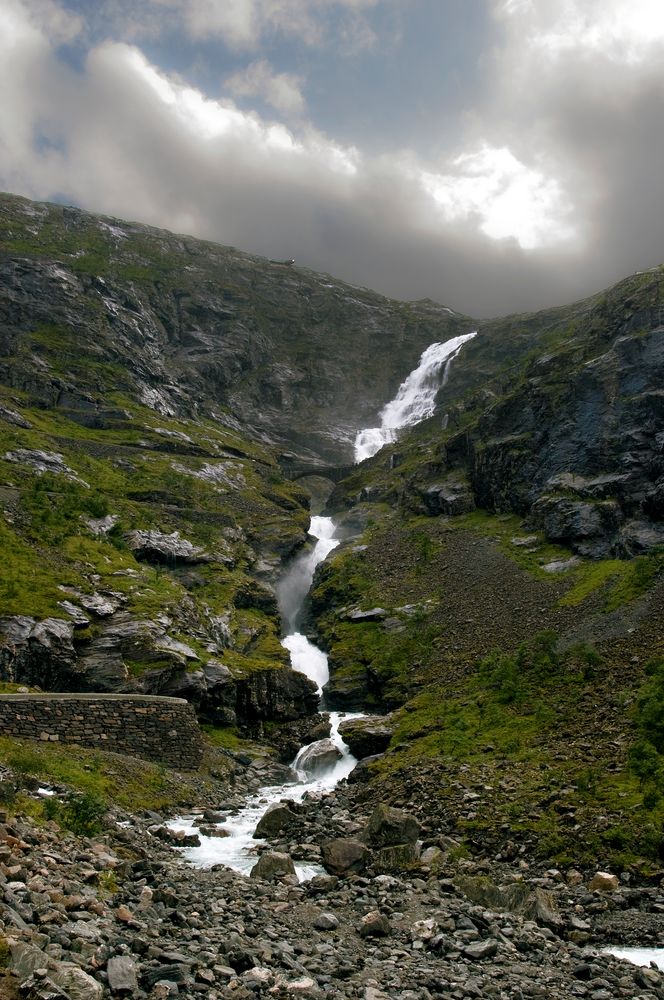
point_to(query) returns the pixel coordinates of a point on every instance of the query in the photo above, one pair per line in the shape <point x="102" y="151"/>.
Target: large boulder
<point x="344" y="855"/>
<point x="317" y="757"/>
<point x="388" y="826"/>
<point x="395" y="857"/>
<point x="272" y="865"/>
<point x="277" y="817"/>
<point x="368" y="736"/>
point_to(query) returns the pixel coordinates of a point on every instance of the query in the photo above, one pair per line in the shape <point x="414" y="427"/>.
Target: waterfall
<point x="415" y="399"/>
<point x="238" y="849"/>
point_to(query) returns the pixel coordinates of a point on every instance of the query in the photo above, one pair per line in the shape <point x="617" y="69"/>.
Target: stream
<point x="239" y="850"/>
<point x="414" y="401"/>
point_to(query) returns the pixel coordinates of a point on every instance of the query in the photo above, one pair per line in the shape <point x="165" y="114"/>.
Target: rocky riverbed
<point x="123" y="915"/>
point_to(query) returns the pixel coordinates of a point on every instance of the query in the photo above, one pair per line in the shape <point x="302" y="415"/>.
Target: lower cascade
<point x="319" y="766"/>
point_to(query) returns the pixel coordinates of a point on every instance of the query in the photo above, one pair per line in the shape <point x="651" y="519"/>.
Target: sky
<point x="493" y="155"/>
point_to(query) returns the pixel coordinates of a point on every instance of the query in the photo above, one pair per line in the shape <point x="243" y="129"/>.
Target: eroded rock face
<point x="280" y="695"/>
<point x="155" y="546"/>
<point x="39" y="653"/>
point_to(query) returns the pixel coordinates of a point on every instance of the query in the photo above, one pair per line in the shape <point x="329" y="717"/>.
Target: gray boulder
<point x="366" y="737"/>
<point x="276" y="818"/>
<point x="388" y="826"/>
<point x="343" y="855"/>
<point x="272" y="865"/>
<point x="317" y="757"/>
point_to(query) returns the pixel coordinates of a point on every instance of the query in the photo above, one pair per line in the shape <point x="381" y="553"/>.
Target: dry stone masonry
<point x="155" y="728"/>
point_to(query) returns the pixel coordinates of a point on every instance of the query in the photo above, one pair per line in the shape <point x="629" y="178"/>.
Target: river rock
<point x="343" y="855"/>
<point x="604" y="882"/>
<point x="277" y="817"/>
<point x="388" y="826"/>
<point x="273" y="864"/>
<point x="317" y="757"/>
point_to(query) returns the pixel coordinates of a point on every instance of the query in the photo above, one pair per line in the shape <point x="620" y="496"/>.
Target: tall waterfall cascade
<point x="414" y="401"/>
<point x="416" y="398"/>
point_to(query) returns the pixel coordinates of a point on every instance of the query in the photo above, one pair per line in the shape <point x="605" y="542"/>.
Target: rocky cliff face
<point x="192" y="329"/>
<point x="555" y="417"/>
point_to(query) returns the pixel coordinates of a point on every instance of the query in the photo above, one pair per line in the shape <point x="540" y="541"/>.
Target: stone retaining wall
<point x="155" y="728"/>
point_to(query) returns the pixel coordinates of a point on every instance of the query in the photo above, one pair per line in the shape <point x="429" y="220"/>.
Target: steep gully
<point x="320" y="766"/>
<point x="414" y="401"/>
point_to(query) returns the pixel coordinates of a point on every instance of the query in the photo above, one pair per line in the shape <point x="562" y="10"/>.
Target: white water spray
<point x="415" y="400"/>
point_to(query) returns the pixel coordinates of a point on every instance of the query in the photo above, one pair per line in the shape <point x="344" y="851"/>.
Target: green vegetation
<point x="100" y="776"/>
<point x="647" y="753"/>
<point x="520" y="715"/>
<point x="620" y="580"/>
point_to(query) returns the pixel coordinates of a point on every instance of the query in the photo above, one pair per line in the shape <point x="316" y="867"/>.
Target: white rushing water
<point x="239" y="850"/>
<point x="415" y="399"/>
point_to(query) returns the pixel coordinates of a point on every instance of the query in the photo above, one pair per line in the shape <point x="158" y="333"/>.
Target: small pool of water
<point x="639" y="956"/>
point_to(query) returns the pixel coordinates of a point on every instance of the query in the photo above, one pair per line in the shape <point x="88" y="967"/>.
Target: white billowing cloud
<point x="509" y="198"/>
<point x="624" y="31"/>
<point x="552" y="189"/>
<point x="280" y="90"/>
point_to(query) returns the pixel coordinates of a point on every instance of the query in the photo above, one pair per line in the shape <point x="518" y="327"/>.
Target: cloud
<point x="280" y="90"/>
<point x="507" y="197"/>
<point x="551" y="190"/>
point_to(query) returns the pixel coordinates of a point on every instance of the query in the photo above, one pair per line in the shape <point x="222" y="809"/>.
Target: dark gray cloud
<point x="551" y="190"/>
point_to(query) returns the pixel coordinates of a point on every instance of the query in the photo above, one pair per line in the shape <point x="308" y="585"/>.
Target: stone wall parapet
<point x="155" y="728"/>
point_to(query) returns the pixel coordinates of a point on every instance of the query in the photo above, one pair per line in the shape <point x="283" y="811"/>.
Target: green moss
<point x="226" y="737"/>
<point x="28" y="586"/>
<point x="621" y="581"/>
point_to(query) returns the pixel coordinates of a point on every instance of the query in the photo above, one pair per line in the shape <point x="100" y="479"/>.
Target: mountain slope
<point x="499" y="590"/>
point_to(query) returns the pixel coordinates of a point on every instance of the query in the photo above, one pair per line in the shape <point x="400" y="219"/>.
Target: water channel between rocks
<point x="238" y="850"/>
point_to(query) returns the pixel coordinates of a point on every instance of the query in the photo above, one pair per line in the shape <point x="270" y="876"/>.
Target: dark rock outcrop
<point x="366" y="737"/>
